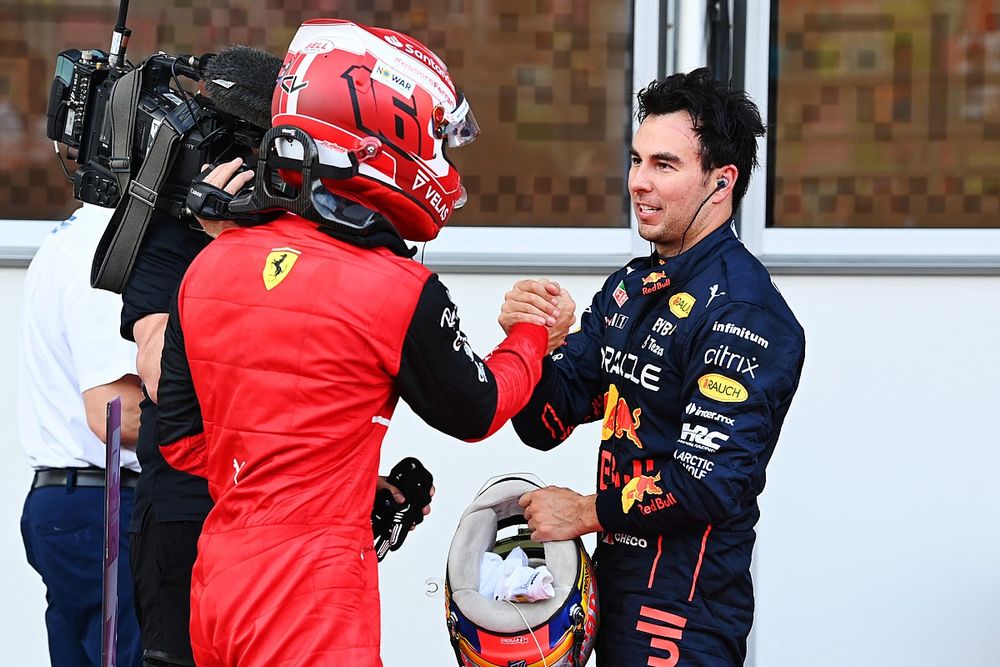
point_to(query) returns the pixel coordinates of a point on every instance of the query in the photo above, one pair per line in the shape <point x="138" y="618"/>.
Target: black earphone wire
<point x="719" y="184"/>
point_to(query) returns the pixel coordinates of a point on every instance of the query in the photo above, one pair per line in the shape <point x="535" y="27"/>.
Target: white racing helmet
<point x="485" y="632"/>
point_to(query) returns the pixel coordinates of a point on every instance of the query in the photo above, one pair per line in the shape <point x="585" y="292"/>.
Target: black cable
<point x="62" y="164"/>
<point x="186" y="96"/>
<point x="704" y="201"/>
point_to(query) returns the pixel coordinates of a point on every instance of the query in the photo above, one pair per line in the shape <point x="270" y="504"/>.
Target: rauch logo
<point x="722" y="389"/>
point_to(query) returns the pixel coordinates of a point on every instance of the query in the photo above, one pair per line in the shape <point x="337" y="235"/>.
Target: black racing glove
<point x="391" y="521"/>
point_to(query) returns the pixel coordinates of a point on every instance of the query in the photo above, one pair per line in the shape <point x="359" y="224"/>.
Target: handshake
<point x="541" y="302"/>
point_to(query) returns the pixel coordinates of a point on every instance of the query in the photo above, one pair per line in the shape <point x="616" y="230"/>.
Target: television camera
<point x="140" y="138"/>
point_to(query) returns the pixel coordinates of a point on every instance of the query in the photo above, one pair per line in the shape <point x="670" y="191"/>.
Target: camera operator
<point x="139" y="137"/>
<point x="170" y="506"/>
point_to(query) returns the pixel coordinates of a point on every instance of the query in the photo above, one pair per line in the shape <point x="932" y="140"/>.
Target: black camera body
<point x="75" y="90"/>
<point x="81" y="116"/>
<point x="140" y="138"/>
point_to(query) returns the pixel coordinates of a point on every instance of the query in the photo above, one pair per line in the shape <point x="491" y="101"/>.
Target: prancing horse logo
<point x="278" y="265"/>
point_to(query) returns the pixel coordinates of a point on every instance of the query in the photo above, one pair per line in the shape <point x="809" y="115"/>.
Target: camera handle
<point x="119" y="246"/>
<point x="119" y="38"/>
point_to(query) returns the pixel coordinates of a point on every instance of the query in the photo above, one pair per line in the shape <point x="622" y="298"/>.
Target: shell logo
<point x="722" y="389"/>
<point x="681" y="304"/>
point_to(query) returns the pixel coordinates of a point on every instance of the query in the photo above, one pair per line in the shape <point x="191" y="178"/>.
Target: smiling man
<point x="691" y="358"/>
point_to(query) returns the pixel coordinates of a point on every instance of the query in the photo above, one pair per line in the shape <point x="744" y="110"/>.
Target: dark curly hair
<point x="726" y="121"/>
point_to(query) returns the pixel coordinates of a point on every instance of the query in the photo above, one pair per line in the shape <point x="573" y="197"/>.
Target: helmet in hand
<point x="488" y="632"/>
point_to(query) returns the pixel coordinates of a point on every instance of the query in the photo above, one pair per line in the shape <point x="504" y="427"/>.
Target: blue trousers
<point x="63" y="531"/>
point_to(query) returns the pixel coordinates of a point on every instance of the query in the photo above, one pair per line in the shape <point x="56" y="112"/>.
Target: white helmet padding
<point x="477" y="534"/>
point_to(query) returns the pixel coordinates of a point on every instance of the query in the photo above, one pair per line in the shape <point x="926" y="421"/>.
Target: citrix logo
<point x="723" y="357"/>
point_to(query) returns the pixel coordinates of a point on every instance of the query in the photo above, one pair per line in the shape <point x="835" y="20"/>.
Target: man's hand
<point x="556" y="513"/>
<point x="531" y="301"/>
<point x="539" y="302"/>
<point x="223" y="178"/>
<point x="398" y="496"/>
<point x="566" y="319"/>
<point x="392" y="519"/>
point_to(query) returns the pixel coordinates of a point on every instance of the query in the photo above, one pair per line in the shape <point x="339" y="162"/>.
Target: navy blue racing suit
<point x="692" y="362"/>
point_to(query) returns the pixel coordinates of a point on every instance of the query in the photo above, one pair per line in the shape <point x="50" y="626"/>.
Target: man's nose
<point x="638" y="180"/>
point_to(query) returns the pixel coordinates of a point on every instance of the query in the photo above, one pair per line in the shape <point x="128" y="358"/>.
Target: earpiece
<point x="721" y="183"/>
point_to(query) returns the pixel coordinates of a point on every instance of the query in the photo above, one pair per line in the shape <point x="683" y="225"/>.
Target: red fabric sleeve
<point x="516" y="364"/>
<point x="188" y="454"/>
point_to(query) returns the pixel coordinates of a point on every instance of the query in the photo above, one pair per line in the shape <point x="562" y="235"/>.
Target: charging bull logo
<point x="618" y="419"/>
<point x="637" y="488"/>
<point x="656" y="280"/>
<point x="278" y="265"/>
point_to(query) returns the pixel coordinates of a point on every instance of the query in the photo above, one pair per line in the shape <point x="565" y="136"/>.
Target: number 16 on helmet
<point x="387" y="101"/>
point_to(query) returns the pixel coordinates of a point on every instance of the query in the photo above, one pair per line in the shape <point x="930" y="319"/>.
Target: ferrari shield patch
<point x="279" y="264"/>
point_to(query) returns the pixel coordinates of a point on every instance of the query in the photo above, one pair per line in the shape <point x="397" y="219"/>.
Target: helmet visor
<point x="461" y="127"/>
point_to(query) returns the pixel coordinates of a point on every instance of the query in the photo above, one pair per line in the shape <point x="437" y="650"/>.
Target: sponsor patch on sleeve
<point x="681" y="304"/>
<point x="720" y="388"/>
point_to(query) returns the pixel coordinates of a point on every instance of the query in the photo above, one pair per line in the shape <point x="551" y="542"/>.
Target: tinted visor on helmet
<point x="460" y="126"/>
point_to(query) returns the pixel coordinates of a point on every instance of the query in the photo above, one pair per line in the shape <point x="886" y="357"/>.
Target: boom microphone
<point x="240" y="81"/>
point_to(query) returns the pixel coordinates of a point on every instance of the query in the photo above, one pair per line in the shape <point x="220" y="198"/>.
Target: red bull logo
<point x="654" y="277"/>
<point x="656" y="280"/>
<point x="618" y="419"/>
<point x="637" y="488"/>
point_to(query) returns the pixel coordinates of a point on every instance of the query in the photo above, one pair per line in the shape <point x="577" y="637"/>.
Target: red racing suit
<point x="284" y="357"/>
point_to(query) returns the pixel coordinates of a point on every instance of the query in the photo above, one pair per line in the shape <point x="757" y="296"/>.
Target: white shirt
<point x="68" y="342"/>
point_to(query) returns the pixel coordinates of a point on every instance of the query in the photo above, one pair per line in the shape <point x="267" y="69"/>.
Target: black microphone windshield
<point x="240" y="81"/>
